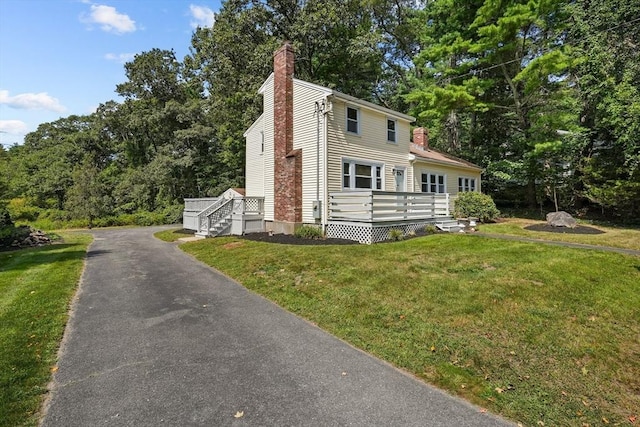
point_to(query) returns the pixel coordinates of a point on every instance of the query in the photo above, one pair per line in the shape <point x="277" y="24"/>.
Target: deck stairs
<point x="449" y="225"/>
<point x="216" y="219"/>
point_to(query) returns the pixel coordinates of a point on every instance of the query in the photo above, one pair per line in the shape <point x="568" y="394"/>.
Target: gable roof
<point x="435" y="156"/>
<point x="344" y="97"/>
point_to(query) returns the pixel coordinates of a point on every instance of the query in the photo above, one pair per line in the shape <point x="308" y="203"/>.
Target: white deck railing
<point x="381" y="206"/>
<point x="199" y="205"/>
<point x="248" y="205"/>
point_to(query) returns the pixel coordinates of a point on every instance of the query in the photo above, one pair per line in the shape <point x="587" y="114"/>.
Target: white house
<point x="320" y="157"/>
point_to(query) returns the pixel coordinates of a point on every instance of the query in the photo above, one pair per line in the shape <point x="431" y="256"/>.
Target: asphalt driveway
<point x="157" y="338"/>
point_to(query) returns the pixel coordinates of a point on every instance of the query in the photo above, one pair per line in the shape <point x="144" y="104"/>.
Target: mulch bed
<point x="580" y="229"/>
<point x="289" y="239"/>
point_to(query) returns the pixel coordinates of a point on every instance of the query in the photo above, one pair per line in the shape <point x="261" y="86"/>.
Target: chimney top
<point x="421" y="138"/>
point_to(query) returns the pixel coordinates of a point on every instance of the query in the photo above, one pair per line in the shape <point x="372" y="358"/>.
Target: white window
<point x="353" y="120"/>
<point x="466" y="184"/>
<point x="391" y="131"/>
<point x="433" y="183"/>
<point x="360" y="175"/>
<point x="261" y="142"/>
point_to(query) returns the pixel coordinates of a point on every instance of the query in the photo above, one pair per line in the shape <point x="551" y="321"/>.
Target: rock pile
<point x="35" y="238"/>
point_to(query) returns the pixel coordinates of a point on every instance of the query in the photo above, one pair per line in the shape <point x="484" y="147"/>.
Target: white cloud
<point x="202" y="16"/>
<point x="120" y="57"/>
<point x="14" y="127"/>
<point x="109" y="19"/>
<point x="31" y="101"/>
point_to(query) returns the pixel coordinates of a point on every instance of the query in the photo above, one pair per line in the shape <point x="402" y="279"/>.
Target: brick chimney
<point x="421" y="138"/>
<point x="287" y="161"/>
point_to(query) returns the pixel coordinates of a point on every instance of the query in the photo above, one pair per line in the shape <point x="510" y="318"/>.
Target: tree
<point x="487" y="82"/>
<point x="86" y="198"/>
<point x="605" y="37"/>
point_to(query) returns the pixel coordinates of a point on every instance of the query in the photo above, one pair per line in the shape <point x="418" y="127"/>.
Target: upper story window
<point x="433" y="183"/>
<point x="261" y="141"/>
<point x="391" y="130"/>
<point x="360" y="175"/>
<point x="353" y="120"/>
<point x="466" y="184"/>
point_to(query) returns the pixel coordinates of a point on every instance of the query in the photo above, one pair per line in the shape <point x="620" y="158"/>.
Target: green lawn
<point x="537" y="333"/>
<point x="36" y="286"/>
<point x="627" y="238"/>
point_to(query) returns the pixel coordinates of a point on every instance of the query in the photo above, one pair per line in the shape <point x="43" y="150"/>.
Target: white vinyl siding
<point x="370" y="146"/>
<point x="254" y="166"/>
<point x="305" y="137"/>
<point x="267" y="120"/>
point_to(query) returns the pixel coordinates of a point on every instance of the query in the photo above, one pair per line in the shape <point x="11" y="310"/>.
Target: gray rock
<point x="561" y="219"/>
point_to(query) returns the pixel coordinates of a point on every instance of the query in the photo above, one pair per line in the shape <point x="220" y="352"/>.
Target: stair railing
<point x="203" y="216"/>
<point x="220" y="214"/>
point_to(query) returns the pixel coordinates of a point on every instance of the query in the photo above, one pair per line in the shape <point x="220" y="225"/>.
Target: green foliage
<point x="471" y="204"/>
<point x="430" y="229"/>
<point x="396" y="234"/>
<point x="21" y="210"/>
<point x="493" y="81"/>
<point x="308" y="232"/>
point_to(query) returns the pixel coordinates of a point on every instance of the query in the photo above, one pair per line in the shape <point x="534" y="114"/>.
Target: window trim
<point x="348" y="120"/>
<point x="467" y="188"/>
<point x="375" y="179"/>
<point x="395" y="131"/>
<point x="261" y="142"/>
<point x="437" y="183"/>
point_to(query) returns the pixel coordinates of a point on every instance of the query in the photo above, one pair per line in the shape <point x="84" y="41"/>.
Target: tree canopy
<point x="543" y="94"/>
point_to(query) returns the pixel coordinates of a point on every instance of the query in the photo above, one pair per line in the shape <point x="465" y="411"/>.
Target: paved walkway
<point x="558" y="243"/>
<point x="157" y="338"/>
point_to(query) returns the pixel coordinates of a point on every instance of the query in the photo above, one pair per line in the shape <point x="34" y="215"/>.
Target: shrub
<point x="308" y="232"/>
<point x="173" y="214"/>
<point x="20" y="210"/>
<point x="471" y="204"/>
<point x="430" y="229"/>
<point x="396" y="234"/>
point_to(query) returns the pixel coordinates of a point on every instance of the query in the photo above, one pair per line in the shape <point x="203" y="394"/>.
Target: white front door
<point x="400" y="180"/>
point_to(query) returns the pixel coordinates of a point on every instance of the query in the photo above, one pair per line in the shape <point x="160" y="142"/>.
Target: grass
<point x="172" y="235"/>
<point x="536" y="333"/>
<point x="36" y="286"/>
<point x="627" y="238"/>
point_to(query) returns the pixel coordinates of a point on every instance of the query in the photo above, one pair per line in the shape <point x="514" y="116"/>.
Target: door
<point x="400" y="179"/>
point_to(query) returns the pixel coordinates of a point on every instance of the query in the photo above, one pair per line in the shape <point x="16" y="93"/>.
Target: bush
<point x="8" y="231"/>
<point x="396" y="235"/>
<point x="173" y="214"/>
<point x="471" y="204"/>
<point x="430" y="229"/>
<point x="20" y="210"/>
<point x="308" y="232"/>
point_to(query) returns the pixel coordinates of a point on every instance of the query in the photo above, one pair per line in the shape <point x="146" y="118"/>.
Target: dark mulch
<point x="580" y="229"/>
<point x="289" y="239"/>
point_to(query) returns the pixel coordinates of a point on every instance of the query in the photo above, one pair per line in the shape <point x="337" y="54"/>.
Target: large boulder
<point x="561" y="219"/>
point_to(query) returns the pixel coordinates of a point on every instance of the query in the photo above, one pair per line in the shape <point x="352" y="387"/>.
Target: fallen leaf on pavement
<point x="239" y="414"/>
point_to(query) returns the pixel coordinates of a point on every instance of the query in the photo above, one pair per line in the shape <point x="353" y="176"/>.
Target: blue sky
<point x="64" y="57"/>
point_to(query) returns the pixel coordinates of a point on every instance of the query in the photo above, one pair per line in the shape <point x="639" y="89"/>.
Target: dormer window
<point x="391" y="131"/>
<point x="353" y="120"/>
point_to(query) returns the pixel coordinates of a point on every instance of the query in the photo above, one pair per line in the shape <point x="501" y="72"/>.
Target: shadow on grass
<point x="23" y="259"/>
